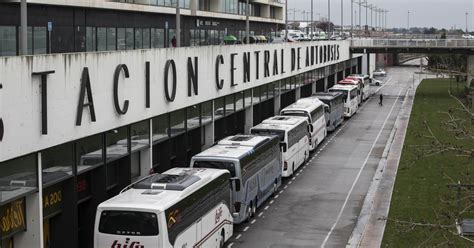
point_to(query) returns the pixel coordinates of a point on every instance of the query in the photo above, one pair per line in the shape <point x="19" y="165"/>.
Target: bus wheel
<point x="222" y="241"/>
<point x="254" y="208"/>
<point x="249" y="212"/>
<point x="293" y="169"/>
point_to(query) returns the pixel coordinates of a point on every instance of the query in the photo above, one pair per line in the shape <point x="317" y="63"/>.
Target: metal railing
<point x="413" y="43"/>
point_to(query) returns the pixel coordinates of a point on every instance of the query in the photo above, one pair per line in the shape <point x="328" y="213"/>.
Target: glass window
<point x="91" y="39"/>
<point x="121" y="44"/>
<point x="29" y="32"/>
<point x="111" y="39"/>
<point x="177" y="121"/>
<point x="140" y="135"/>
<point x="8" y="40"/>
<point x="256" y="95"/>
<point x="138" y="38"/>
<point x="160" y="127"/>
<point x="158" y="38"/>
<point x="206" y="112"/>
<point x="129" y="38"/>
<point x="239" y="100"/>
<point x="89" y="152"/>
<point x="263" y="92"/>
<point x="39" y="40"/>
<point x="128" y="223"/>
<point x="101" y="39"/>
<point x="248" y="98"/>
<point x="271" y="90"/>
<point x="117" y="143"/>
<point x="193" y="116"/>
<point x="219" y="108"/>
<point x="146" y="38"/>
<point x="229" y="104"/>
<point x="18" y="177"/>
<point x="57" y="162"/>
<point x="170" y="36"/>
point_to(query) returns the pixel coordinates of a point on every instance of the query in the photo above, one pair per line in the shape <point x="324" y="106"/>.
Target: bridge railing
<point x="422" y="43"/>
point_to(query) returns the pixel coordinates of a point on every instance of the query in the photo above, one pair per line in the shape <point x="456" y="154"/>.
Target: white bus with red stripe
<point x="313" y="109"/>
<point x="182" y="207"/>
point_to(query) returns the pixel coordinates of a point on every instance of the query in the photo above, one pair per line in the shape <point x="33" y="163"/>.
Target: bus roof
<point x="249" y="140"/>
<point x="289" y="121"/>
<point x="307" y="104"/>
<point x="343" y="87"/>
<point x="349" y="81"/>
<point x="327" y="95"/>
<point x="139" y="198"/>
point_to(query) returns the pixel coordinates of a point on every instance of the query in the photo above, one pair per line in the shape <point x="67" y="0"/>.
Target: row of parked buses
<point x="225" y="184"/>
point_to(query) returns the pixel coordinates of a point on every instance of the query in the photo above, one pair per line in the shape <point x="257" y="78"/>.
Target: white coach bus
<point x="350" y="98"/>
<point x="254" y="165"/>
<point x="313" y="109"/>
<point x="182" y="207"/>
<point x="365" y="80"/>
<point x="294" y="140"/>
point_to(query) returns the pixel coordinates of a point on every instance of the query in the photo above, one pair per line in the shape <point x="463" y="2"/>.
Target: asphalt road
<point x="320" y="205"/>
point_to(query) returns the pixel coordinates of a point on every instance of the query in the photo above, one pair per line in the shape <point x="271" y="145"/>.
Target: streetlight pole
<point x="408" y="22"/>
<point x="286" y="20"/>
<point x="178" y="24"/>
<point x="371" y="6"/>
<point x="366" y="5"/>
<point x="247" y="22"/>
<point x="360" y="17"/>
<point x="467" y="14"/>
<point x="24" y="32"/>
<point x="352" y="18"/>
<point x="329" y="16"/>
<point x="312" y="21"/>
<point x="386" y="13"/>
<point x="342" y="17"/>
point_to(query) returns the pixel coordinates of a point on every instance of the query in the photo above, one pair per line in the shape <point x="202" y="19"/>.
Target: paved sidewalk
<point x="371" y="222"/>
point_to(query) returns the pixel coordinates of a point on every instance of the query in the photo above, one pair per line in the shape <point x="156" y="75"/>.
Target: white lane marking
<point x="297" y="174"/>
<point x="360" y="172"/>
<point x="293" y="178"/>
<point x="290" y="182"/>
<point x="281" y="191"/>
<point x="271" y="202"/>
<point x="253" y="221"/>
<point x="238" y="236"/>
<point x="276" y="196"/>
<point x="260" y="214"/>
<point x="230" y="245"/>
<point x="266" y="207"/>
<point x="385" y="84"/>
<point x="246" y="228"/>
<point x="286" y="186"/>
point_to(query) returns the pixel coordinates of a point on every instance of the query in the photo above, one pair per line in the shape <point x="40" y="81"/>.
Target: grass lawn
<point x="421" y="194"/>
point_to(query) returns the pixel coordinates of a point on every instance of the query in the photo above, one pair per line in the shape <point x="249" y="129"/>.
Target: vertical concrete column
<point x="470" y="70"/>
<point x="23" y="28"/>
<point x="325" y="84"/>
<point x="335" y="78"/>
<point x="277" y="100"/>
<point x="313" y="88"/>
<point x="33" y="236"/>
<point x="146" y="155"/>
<point x="298" y="93"/>
<point x="209" y="132"/>
<point x="193" y="6"/>
<point x="249" y="116"/>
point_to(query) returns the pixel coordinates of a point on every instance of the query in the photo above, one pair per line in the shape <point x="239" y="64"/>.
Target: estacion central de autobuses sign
<point x="183" y="75"/>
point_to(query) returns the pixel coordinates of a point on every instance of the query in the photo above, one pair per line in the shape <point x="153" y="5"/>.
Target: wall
<point x="20" y="97"/>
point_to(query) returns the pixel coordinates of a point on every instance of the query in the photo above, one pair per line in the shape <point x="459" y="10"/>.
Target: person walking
<point x="381" y="100"/>
<point x="173" y="41"/>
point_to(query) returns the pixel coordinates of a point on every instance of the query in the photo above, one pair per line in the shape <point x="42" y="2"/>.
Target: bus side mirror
<point x="283" y="147"/>
<point x="235" y="184"/>
<point x="311" y="128"/>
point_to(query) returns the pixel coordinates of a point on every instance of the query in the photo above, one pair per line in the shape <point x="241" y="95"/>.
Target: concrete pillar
<point x="313" y="88"/>
<point x="33" y="236"/>
<point x="298" y="93"/>
<point x="470" y="70"/>
<point x="23" y="28"/>
<point x="335" y="78"/>
<point x="248" y="119"/>
<point x="325" y="84"/>
<point x="193" y="6"/>
<point x="277" y="104"/>
<point x="208" y="135"/>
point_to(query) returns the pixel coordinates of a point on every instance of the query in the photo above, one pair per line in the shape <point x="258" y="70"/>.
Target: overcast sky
<point x="423" y="13"/>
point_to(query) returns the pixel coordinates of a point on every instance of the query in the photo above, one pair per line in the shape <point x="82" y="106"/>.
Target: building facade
<point x="63" y="26"/>
<point x="76" y="128"/>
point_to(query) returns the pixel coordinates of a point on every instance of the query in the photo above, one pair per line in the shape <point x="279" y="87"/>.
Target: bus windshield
<point x="216" y="165"/>
<point x="130" y="223"/>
